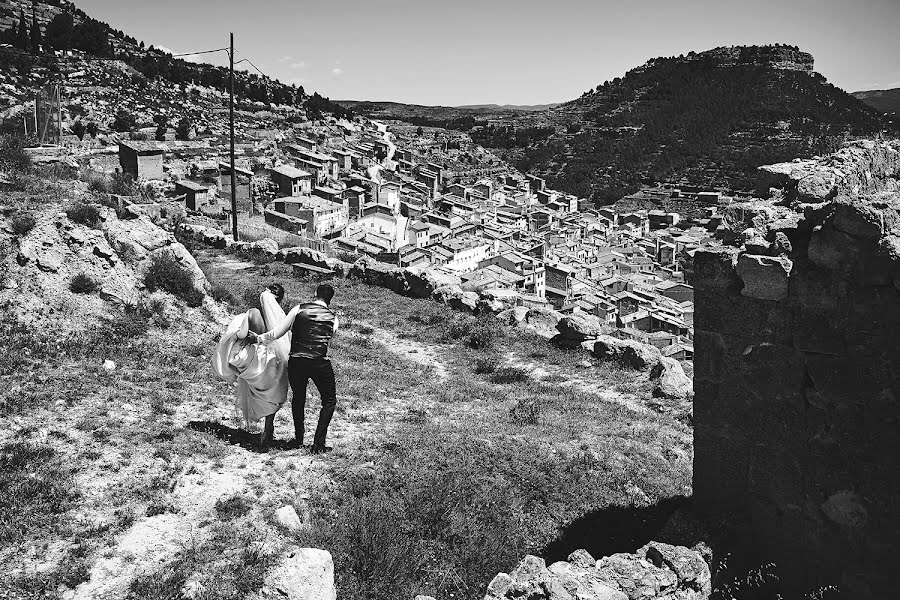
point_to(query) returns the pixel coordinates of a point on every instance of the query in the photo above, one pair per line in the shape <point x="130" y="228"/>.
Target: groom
<point x="312" y="325"/>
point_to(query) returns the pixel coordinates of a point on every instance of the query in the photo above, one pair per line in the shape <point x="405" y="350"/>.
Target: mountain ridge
<point x="887" y="100"/>
<point x="707" y="118"/>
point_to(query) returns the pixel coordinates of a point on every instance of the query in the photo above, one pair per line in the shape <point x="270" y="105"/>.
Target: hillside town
<point x="411" y="197"/>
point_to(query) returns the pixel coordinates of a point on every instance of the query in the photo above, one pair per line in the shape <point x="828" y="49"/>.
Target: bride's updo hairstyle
<point x="277" y="291"/>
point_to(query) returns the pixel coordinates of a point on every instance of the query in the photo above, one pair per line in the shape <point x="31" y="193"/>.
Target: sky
<point x="457" y="52"/>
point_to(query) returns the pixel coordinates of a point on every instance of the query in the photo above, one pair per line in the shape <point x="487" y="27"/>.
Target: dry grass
<point x="441" y="475"/>
<point x="474" y="470"/>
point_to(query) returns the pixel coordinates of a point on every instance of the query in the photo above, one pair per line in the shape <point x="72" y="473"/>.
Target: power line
<point x="250" y="62"/>
<point x="199" y="52"/>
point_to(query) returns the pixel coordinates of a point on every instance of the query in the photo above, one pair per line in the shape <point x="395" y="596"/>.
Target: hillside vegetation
<point x="124" y="68"/>
<point x="886" y="101"/>
<point x="708" y="118"/>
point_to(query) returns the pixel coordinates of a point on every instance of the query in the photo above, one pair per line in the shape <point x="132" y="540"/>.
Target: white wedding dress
<point x="258" y="371"/>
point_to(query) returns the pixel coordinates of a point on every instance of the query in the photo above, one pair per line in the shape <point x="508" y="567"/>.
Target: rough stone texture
<point x="797" y="380"/>
<point x="670" y="380"/>
<point x="287" y="517"/>
<point x="627" y="352"/>
<point x="301" y="574"/>
<point x="115" y="254"/>
<point x="862" y="167"/>
<point x="654" y="571"/>
<point x="764" y="277"/>
<point x="575" y="329"/>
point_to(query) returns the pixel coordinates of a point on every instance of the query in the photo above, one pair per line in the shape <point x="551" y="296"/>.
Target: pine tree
<point x="35" y="31"/>
<point x="21" y="41"/>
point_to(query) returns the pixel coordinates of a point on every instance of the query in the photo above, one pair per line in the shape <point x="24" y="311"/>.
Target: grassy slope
<point x="446" y="476"/>
<point x="441" y="476"/>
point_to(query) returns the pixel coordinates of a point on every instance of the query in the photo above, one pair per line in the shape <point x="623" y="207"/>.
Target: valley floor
<point x="460" y="446"/>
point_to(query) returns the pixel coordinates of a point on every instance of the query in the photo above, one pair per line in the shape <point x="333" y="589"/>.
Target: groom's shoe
<point x="294" y="444"/>
<point x="320" y="449"/>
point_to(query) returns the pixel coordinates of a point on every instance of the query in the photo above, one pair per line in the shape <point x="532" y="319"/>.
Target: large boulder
<point x="670" y="380"/>
<point x="266" y="246"/>
<point x="543" y="322"/>
<point x="455" y="297"/>
<point x="626" y="352"/>
<point x="380" y="274"/>
<point x="301" y="574"/>
<point x="688" y="564"/>
<point x="579" y="327"/>
<point x="422" y="282"/>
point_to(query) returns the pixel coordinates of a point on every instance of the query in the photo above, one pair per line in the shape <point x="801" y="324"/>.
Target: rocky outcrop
<point x="576" y="328"/>
<point x="670" y="380"/>
<point x="862" y="167"/>
<point x="656" y="570"/>
<point x="114" y="254"/>
<point x="626" y="352"/>
<point x="795" y="374"/>
<point x="301" y="574"/>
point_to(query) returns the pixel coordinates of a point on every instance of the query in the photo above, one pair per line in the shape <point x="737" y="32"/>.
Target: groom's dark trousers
<point x="300" y="371"/>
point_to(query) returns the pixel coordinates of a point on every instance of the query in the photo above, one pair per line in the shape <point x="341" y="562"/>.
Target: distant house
<point x="344" y="159"/>
<point x="195" y="195"/>
<point x="324" y="219"/>
<point x="292" y="181"/>
<point x="143" y="160"/>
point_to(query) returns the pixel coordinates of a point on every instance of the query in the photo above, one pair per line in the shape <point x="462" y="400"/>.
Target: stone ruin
<point x="797" y="371"/>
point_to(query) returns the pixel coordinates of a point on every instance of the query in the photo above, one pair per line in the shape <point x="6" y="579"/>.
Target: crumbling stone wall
<point x="797" y="379"/>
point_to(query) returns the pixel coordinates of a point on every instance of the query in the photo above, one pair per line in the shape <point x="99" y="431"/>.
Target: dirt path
<point x="406" y="349"/>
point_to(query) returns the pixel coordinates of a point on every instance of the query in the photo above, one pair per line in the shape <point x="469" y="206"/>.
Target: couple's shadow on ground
<point x="237" y="437"/>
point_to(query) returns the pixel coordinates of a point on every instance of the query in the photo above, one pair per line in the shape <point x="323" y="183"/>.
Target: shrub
<point x="527" y="411"/>
<point x="122" y="184"/>
<point x="84" y="214"/>
<point x="233" y="507"/>
<point x="220" y="293"/>
<point x="83" y="284"/>
<point x="167" y="274"/>
<point x="154" y="309"/>
<point x="22" y="222"/>
<point x="124" y="121"/>
<point x="507" y="375"/>
<point x="484" y="334"/>
<point x="485" y="365"/>
<point x="12" y="154"/>
<point x="79" y="129"/>
<point x="97" y="182"/>
<point x="459" y="328"/>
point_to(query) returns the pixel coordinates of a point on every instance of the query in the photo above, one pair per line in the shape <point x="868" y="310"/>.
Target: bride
<point x="258" y="371"/>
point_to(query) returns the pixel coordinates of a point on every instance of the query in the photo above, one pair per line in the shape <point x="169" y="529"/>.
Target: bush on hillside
<point x="506" y="375"/>
<point x="21" y="223"/>
<point x="485" y="333"/>
<point x="485" y="365"/>
<point x="83" y="284"/>
<point x="84" y="214"/>
<point x="167" y="274"/>
<point x="220" y="293"/>
<point x="13" y="157"/>
<point x="123" y="121"/>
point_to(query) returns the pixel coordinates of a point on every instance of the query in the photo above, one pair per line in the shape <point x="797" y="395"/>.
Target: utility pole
<point x="234" y="228"/>
<point x="59" y="113"/>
